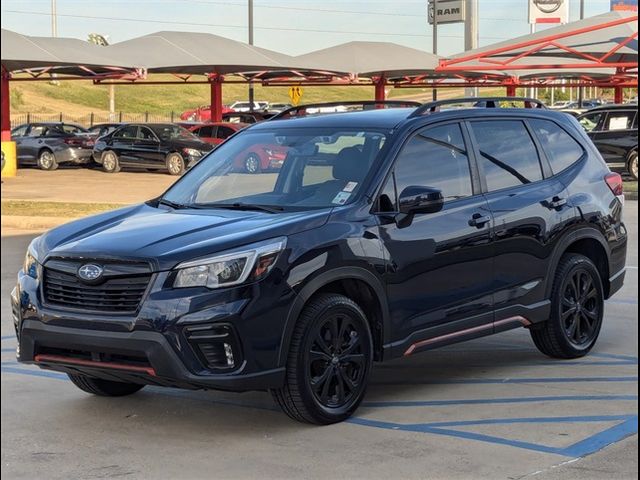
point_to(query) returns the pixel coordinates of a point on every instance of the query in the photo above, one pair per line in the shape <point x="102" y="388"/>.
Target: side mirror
<point x="415" y="199"/>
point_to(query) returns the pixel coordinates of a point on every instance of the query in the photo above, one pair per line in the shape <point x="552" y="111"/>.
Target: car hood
<point x="196" y="144"/>
<point x="166" y="237"/>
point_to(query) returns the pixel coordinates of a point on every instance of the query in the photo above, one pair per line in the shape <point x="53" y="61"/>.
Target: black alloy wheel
<point x="577" y="309"/>
<point x="580" y="309"/>
<point x="329" y="361"/>
<point x="337" y="361"/>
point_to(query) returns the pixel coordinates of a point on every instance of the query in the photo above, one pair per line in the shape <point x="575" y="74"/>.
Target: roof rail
<point x="485" y="102"/>
<point x="302" y="110"/>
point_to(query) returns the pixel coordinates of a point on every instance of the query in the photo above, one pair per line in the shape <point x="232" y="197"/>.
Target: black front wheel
<point x="104" y="388"/>
<point x="576" y="311"/>
<point x="329" y="362"/>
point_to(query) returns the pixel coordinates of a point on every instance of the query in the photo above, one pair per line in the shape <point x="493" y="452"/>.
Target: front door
<point x="439" y="274"/>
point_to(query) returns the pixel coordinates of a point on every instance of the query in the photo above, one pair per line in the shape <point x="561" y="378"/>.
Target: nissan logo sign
<point x="548" y="6"/>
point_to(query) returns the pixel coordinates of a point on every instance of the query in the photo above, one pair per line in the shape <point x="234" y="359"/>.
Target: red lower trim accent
<point x="90" y="363"/>
<point x="479" y="328"/>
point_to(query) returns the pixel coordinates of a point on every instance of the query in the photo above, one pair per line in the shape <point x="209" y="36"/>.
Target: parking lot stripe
<point x="628" y="425"/>
<point x="484" y="381"/>
<point x="490" y="401"/>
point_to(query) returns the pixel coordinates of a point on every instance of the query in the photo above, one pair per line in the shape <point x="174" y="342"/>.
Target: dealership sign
<point x="447" y="11"/>
<point x="548" y="11"/>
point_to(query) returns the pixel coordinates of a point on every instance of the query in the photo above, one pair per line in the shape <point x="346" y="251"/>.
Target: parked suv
<point x="385" y="233"/>
<point x="614" y="131"/>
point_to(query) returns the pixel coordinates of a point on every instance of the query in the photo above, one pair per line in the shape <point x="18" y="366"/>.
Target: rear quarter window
<point x="561" y="148"/>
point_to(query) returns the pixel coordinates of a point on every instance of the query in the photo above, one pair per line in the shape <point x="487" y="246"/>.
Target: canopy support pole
<point x="511" y="91"/>
<point x="216" y="98"/>
<point x="380" y="84"/>
<point x="618" y="94"/>
<point x="6" y="107"/>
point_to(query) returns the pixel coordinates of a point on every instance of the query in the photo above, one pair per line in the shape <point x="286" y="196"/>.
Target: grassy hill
<point x="82" y="97"/>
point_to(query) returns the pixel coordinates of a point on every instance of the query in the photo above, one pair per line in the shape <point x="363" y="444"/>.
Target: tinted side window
<point x="204" y="132"/>
<point x="129" y="132"/>
<point x="562" y="150"/>
<point x="146" y="134"/>
<point x="225" y="132"/>
<point x="19" y="131"/>
<point x="508" y="156"/>
<point x="620" y="121"/>
<point x="435" y="157"/>
<point x="590" y="121"/>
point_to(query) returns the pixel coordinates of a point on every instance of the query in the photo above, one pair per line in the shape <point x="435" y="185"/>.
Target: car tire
<point x="47" y="160"/>
<point x="110" y="161"/>
<point x="175" y="164"/>
<point x="104" y="388"/>
<point x="577" y="306"/>
<point x="252" y="164"/>
<point x="632" y="164"/>
<point x="326" y="376"/>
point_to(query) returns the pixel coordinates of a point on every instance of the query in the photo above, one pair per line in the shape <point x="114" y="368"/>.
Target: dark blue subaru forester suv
<point x="385" y="233"/>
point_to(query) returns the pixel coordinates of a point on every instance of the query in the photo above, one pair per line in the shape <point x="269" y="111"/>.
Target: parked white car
<point x="246" y="106"/>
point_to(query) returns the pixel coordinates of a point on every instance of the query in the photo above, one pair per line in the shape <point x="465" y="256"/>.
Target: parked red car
<point x="216" y="132"/>
<point x="202" y="113"/>
<point x="255" y="159"/>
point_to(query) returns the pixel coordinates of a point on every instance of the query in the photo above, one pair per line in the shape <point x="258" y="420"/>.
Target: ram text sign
<point x="448" y="11"/>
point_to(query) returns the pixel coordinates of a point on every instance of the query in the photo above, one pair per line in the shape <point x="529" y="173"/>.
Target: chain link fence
<point x="91" y="119"/>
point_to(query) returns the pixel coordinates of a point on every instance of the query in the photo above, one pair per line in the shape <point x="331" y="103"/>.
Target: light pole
<point x="434" y="92"/>
<point x="250" y="22"/>
<point x="471" y="35"/>
<point x="103" y="40"/>
<point x="54" y="32"/>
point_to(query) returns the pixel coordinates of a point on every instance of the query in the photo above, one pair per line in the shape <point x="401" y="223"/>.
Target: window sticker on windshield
<point x="350" y="187"/>
<point x="341" y="198"/>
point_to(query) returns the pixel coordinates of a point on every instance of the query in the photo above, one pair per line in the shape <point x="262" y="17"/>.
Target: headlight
<point x="30" y="265"/>
<point x="251" y="263"/>
<point x="192" y="152"/>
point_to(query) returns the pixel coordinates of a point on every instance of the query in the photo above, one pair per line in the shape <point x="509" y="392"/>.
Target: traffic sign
<point x="295" y="94"/>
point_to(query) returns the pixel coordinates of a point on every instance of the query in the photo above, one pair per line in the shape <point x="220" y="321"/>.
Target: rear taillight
<point x="614" y="182"/>
<point x="73" y="141"/>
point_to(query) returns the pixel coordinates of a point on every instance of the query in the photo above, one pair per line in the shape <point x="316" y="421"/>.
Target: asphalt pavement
<point x="491" y="408"/>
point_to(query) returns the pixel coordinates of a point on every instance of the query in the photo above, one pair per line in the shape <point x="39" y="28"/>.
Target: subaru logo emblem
<point x="90" y="272"/>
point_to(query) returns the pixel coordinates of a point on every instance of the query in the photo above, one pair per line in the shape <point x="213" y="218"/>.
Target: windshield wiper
<point x="242" y="206"/>
<point x="174" y="205"/>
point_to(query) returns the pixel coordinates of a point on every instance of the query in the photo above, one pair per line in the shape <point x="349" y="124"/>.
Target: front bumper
<point x="157" y="345"/>
<point x="165" y="367"/>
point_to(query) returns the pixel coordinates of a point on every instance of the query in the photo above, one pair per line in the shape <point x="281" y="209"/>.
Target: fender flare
<point x="564" y="243"/>
<point x="319" y="281"/>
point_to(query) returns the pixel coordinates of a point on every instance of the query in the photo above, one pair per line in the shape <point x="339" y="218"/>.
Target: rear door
<point x="17" y="135"/>
<point x="207" y="133"/>
<point x="618" y="135"/>
<point x="32" y="142"/>
<point x="530" y="207"/>
<point x="223" y="132"/>
<point x="123" y="141"/>
<point x="440" y="268"/>
<point x="147" y="149"/>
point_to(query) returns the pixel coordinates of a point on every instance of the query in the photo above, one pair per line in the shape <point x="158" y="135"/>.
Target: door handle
<point x="556" y="203"/>
<point x="478" y="220"/>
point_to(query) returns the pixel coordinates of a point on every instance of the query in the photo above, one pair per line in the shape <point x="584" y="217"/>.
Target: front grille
<point x="118" y="295"/>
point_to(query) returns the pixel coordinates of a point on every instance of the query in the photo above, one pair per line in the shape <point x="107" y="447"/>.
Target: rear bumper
<point x="164" y="367"/>
<point x="74" y="155"/>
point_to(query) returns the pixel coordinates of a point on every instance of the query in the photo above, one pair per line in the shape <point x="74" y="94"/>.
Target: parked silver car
<point x="47" y="145"/>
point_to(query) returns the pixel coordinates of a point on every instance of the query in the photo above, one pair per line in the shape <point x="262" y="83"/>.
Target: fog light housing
<point x="216" y="345"/>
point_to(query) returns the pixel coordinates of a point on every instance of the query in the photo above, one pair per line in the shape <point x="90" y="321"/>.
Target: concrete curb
<point x="21" y="222"/>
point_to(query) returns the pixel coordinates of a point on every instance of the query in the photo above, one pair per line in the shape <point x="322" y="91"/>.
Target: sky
<point x="288" y="26"/>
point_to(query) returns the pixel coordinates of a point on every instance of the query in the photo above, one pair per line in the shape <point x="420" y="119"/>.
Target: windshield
<point x="283" y="167"/>
<point x="173" y="132"/>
